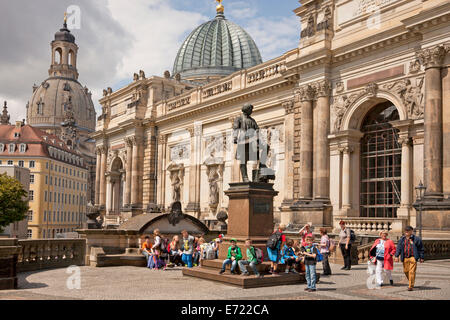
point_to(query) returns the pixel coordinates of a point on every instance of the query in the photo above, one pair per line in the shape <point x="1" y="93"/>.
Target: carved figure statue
<point x="213" y="187"/>
<point x="249" y="146"/>
<point x="176" y="187"/>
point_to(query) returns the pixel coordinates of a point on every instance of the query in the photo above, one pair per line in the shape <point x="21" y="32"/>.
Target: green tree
<point x="13" y="201"/>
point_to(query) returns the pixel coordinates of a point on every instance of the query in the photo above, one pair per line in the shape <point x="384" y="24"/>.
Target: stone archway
<point x="347" y="152"/>
<point x="115" y="187"/>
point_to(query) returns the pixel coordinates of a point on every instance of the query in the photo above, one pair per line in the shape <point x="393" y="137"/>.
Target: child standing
<point x="234" y="255"/>
<point x="251" y="261"/>
<point x="310" y="252"/>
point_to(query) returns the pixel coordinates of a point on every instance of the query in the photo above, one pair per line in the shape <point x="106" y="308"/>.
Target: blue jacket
<point x="287" y="253"/>
<point x="419" y="250"/>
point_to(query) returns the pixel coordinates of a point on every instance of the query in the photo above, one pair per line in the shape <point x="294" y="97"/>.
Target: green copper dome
<point x="217" y="48"/>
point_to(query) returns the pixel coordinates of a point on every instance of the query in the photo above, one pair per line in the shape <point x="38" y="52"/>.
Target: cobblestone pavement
<point x="433" y="282"/>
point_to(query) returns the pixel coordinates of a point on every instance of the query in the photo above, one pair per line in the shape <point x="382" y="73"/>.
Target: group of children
<point x="189" y="251"/>
<point x="293" y="255"/>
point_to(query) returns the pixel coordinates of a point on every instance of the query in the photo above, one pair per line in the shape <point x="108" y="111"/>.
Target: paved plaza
<point x="433" y="282"/>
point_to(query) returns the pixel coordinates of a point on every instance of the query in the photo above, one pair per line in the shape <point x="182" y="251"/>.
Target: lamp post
<point x="420" y="193"/>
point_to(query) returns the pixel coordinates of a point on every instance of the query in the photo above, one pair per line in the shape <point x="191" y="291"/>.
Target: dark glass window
<point x="381" y="156"/>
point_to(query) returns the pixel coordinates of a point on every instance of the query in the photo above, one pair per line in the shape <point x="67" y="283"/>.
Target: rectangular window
<point x="29" y="233"/>
<point x="10" y="163"/>
<point x="50" y="196"/>
<point x="46" y="165"/>
<point x="46" y="179"/>
<point x="21" y="163"/>
<point x="45" y="218"/>
<point x="32" y="164"/>
<point x="31" y="195"/>
<point x="30" y="215"/>
<point x="31" y="178"/>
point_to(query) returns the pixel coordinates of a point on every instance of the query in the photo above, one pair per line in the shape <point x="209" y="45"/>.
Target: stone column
<point x="104" y="151"/>
<point x="161" y="182"/>
<point x="306" y="143"/>
<point x="321" y="149"/>
<point x="109" y="195"/>
<point x="128" y="172"/>
<point x="446" y="125"/>
<point x="193" y="206"/>
<point x="97" y="175"/>
<point x="406" y="185"/>
<point x="288" y="152"/>
<point x="346" y="175"/>
<point x="432" y="59"/>
<point x="135" y="173"/>
<point x="235" y="170"/>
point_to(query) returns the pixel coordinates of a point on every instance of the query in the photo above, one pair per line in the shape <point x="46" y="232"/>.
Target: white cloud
<point x="117" y="38"/>
<point x="274" y="37"/>
<point x="157" y="30"/>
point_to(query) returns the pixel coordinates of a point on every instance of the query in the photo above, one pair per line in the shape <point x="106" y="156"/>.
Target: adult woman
<point x="325" y="243"/>
<point x="274" y="254"/>
<point x="305" y="232"/>
<point x="383" y="250"/>
<point x="156" y="262"/>
<point x="173" y="249"/>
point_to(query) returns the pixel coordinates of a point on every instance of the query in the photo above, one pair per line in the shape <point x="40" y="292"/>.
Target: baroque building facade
<point x="357" y="116"/>
<point x="57" y="178"/>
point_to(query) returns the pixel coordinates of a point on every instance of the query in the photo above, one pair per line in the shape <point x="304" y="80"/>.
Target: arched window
<point x="58" y="56"/>
<point x="381" y="156"/>
<point x="71" y="58"/>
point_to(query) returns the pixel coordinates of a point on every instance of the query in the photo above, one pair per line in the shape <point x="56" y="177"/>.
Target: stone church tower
<point x="62" y="106"/>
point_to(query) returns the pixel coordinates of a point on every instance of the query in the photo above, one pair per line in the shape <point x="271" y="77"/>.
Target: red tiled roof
<point x="33" y="138"/>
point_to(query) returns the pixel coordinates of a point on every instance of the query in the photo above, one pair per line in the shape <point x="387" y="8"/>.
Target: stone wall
<point x="9" y="250"/>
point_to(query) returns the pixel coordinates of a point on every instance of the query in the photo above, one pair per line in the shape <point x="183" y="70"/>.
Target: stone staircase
<point x="210" y="271"/>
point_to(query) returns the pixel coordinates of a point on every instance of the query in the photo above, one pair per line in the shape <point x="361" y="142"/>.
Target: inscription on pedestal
<point x="261" y="207"/>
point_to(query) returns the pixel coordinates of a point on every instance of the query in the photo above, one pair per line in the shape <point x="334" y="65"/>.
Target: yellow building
<point x="58" y="178"/>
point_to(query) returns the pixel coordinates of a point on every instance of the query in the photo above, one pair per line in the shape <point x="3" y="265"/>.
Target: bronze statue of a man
<point x="249" y="146"/>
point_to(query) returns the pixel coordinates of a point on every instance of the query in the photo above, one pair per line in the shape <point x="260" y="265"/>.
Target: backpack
<point x="208" y="252"/>
<point x="259" y="255"/>
<point x="319" y="256"/>
<point x="352" y="236"/>
<point x="273" y="240"/>
<point x="332" y="246"/>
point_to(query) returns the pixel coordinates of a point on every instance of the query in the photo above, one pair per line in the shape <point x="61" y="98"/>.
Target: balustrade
<point x="52" y="253"/>
<point x="265" y="73"/>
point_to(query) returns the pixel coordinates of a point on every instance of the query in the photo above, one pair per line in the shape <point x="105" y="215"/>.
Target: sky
<point x="117" y="38"/>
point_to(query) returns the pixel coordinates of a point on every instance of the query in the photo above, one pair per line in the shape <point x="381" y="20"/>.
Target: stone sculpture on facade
<point x="176" y="187"/>
<point x="250" y="146"/>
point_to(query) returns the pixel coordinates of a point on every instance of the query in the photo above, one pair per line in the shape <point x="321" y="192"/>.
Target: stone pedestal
<point x="9" y="251"/>
<point x="250" y="214"/>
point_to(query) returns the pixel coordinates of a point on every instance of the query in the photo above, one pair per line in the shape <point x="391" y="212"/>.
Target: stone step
<point x="245" y="282"/>
<point x="217" y="264"/>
